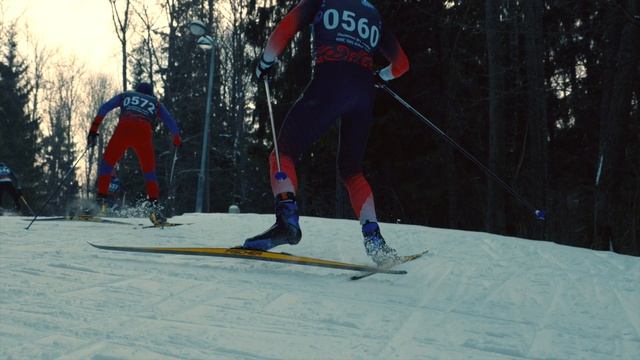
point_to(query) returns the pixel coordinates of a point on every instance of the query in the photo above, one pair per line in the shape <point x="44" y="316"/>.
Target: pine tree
<point x="19" y="132"/>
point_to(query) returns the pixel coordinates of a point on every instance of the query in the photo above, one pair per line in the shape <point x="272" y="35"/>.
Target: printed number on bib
<point x="140" y="102"/>
<point x="348" y="22"/>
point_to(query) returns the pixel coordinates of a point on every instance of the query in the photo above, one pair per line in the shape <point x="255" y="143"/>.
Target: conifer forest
<point x="544" y="94"/>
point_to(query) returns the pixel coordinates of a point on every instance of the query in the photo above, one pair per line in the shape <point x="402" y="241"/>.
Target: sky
<point x="82" y="28"/>
<point x="473" y="296"/>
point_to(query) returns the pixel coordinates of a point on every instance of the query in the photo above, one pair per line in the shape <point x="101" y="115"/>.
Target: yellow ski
<point x="252" y="255"/>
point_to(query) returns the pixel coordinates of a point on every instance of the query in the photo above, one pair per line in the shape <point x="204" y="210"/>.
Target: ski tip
<point x="367" y="274"/>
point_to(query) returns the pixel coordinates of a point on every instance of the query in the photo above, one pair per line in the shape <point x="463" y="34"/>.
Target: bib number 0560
<point x="332" y="19"/>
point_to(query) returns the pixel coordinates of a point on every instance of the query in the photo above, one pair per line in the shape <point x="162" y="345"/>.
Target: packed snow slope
<point x="474" y="296"/>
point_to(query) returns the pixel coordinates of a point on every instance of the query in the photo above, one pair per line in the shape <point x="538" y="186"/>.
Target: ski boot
<point x="376" y="247"/>
<point x="286" y="230"/>
<point x="155" y="214"/>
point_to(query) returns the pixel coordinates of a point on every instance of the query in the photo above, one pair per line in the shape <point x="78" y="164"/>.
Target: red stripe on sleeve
<point x="301" y="15"/>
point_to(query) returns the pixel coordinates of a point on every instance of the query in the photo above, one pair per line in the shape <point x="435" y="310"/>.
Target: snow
<point x="474" y="296"/>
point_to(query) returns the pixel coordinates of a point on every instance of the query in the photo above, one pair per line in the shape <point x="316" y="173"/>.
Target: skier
<point x="138" y="110"/>
<point x="9" y="183"/>
<point x="116" y="189"/>
<point x="346" y="33"/>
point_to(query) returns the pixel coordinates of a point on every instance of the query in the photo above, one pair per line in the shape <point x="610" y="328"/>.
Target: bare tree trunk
<point x="121" y="24"/>
<point x="237" y="101"/>
<point x="148" y="23"/>
<point x="63" y="105"/>
<point x="623" y="56"/>
<point x="536" y="171"/>
<point x="495" y="214"/>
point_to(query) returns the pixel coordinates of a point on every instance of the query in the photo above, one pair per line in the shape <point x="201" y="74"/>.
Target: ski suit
<point x="346" y="34"/>
<point x="138" y="111"/>
<point x="9" y="183"/>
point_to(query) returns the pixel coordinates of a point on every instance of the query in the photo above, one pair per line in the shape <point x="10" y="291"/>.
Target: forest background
<point x="545" y="93"/>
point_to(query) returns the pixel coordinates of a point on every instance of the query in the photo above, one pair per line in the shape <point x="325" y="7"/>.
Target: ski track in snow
<point x="473" y="296"/>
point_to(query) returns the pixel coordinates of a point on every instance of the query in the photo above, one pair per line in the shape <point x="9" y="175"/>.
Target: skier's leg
<point x="354" y="132"/>
<point x="2" y="186"/>
<point x="143" y="147"/>
<point x="116" y="147"/>
<point x="310" y="117"/>
<point x="147" y="159"/>
<point x="15" y="197"/>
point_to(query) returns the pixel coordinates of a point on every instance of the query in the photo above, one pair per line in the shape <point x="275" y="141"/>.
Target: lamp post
<point x="205" y="42"/>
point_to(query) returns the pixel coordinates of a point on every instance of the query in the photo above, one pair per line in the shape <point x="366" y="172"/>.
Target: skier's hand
<point x="264" y="68"/>
<point x="92" y="139"/>
<point x="19" y="192"/>
<point x="177" y="140"/>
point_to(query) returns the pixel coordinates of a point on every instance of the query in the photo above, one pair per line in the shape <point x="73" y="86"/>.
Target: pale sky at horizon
<point x="83" y="28"/>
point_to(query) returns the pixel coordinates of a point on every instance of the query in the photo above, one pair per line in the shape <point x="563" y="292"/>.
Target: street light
<point x="205" y="42"/>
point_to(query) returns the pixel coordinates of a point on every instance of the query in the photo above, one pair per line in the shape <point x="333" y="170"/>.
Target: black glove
<point x="19" y="192"/>
<point x="264" y="68"/>
<point x="92" y="139"/>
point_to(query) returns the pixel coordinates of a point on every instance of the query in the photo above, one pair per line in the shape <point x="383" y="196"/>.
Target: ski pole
<point x="539" y="214"/>
<point x="280" y="175"/>
<point x="24" y="201"/>
<point x="58" y="188"/>
<point x="90" y="170"/>
<point x="173" y="166"/>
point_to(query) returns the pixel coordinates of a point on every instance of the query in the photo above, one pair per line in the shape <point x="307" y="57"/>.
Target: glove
<point x="177" y="141"/>
<point x="19" y="192"/>
<point x="92" y="139"/>
<point x="264" y="68"/>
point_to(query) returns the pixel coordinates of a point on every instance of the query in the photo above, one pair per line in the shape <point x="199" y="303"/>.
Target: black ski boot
<point x="375" y="246"/>
<point x="286" y="230"/>
<point x="155" y="214"/>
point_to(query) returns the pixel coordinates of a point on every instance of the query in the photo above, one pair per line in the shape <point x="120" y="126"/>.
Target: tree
<point x="121" y="25"/>
<point x="535" y="173"/>
<point x="19" y="135"/>
<point x="611" y="206"/>
<point x="495" y="213"/>
<point x="64" y="101"/>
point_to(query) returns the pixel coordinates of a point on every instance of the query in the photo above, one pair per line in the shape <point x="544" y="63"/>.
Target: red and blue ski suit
<point x="346" y="35"/>
<point x="138" y="111"/>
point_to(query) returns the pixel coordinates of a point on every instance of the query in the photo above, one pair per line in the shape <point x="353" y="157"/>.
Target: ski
<point x="402" y="260"/>
<point x="253" y="255"/>
<point x="162" y="226"/>
<point x="87" y="218"/>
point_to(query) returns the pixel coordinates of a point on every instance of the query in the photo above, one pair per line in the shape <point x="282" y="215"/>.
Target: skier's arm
<point x="104" y="110"/>
<point x="168" y="120"/>
<point x="300" y="16"/>
<point x="392" y="51"/>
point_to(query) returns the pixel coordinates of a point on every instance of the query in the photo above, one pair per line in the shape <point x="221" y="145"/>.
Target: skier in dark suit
<point x="9" y="183"/>
<point x="346" y="35"/>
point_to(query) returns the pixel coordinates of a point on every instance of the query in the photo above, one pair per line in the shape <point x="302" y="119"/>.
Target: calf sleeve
<point x="361" y="198"/>
<point x="290" y="184"/>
